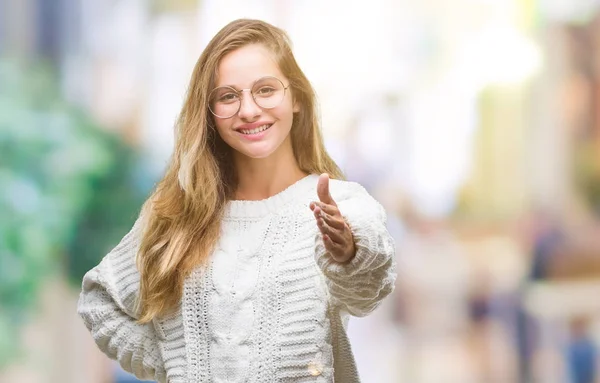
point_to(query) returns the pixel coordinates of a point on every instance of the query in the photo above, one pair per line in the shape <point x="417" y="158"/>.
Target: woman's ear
<point x="296" y="106"/>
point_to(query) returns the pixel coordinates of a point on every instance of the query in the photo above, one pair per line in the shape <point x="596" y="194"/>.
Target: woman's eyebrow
<point x="253" y="82"/>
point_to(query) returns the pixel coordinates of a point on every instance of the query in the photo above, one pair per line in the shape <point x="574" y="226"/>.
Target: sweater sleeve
<point x="360" y="284"/>
<point x="106" y="305"/>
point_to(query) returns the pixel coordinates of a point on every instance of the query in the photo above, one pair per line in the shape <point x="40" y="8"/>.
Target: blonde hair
<point x="181" y="219"/>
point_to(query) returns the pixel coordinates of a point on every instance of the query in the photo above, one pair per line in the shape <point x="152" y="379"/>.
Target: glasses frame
<point x="240" y="93"/>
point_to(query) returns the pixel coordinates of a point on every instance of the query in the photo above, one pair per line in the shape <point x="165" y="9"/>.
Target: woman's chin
<point x="256" y="150"/>
<point x="256" y="153"/>
<point x="263" y="149"/>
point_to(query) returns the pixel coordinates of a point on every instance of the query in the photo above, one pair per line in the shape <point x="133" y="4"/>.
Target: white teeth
<point x="255" y="130"/>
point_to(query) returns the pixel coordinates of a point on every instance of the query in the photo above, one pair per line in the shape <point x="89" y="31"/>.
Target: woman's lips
<point x="254" y="134"/>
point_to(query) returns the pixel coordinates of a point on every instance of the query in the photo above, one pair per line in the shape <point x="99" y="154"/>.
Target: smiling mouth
<point x="255" y="130"/>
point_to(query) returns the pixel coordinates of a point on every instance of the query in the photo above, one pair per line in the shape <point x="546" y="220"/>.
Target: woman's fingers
<point x="334" y="234"/>
<point x="337" y="223"/>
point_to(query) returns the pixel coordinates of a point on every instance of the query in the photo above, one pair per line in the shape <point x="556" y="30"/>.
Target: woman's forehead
<point x="242" y="67"/>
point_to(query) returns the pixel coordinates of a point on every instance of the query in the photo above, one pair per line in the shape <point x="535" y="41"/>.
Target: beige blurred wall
<point x="57" y="347"/>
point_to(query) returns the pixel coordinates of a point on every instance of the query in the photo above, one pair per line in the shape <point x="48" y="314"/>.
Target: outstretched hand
<point x="337" y="235"/>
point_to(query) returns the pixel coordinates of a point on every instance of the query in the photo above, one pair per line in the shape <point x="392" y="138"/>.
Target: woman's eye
<point x="265" y="91"/>
<point x="228" y="97"/>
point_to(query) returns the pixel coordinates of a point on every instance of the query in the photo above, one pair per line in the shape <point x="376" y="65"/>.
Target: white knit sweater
<point x="271" y="306"/>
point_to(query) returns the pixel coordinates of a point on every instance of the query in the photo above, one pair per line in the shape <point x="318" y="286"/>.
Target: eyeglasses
<point x="267" y="92"/>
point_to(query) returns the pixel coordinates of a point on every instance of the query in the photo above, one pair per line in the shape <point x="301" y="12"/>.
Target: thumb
<point x="323" y="189"/>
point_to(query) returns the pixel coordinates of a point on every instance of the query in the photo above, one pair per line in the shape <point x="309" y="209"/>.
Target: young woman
<point x="247" y="259"/>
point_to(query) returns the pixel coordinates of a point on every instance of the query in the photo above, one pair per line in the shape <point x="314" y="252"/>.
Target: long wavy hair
<point x="181" y="219"/>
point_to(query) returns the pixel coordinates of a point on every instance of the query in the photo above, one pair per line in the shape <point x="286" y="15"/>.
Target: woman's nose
<point x="248" y="107"/>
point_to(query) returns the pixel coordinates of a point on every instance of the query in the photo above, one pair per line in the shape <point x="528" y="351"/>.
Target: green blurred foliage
<point x="587" y="174"/>
<point x="166" y="6"/>
<point x="70" y="190"/>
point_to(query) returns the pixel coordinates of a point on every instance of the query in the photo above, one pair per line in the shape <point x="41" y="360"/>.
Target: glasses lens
<point x="268" y="92"/>
<point x="224" y="102"/>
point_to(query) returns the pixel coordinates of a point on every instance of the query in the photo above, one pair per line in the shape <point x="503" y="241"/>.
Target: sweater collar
<point x="260" y="208"/>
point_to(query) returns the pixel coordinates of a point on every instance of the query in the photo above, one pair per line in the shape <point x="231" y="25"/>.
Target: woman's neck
<point x="259" y="179"/>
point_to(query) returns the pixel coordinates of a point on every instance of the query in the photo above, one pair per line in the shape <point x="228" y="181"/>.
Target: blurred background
<point x="475" y="122"/>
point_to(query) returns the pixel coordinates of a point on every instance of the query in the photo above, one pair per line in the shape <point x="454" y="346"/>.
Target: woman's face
<point x="255" y="131"/>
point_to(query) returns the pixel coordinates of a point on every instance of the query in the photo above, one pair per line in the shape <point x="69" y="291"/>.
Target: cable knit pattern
<point x="270" y="306"/>
<point x="106" y="306"/>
